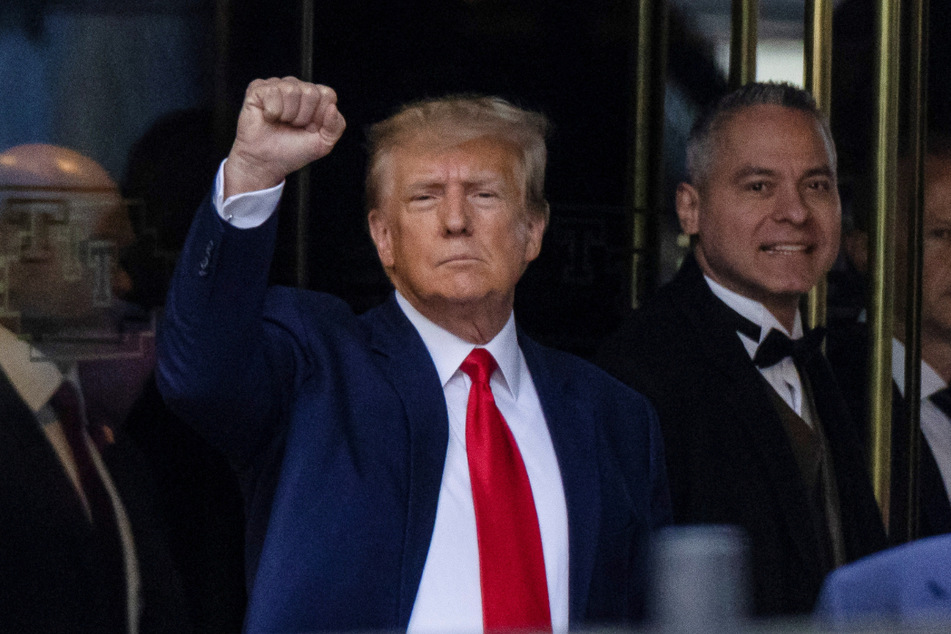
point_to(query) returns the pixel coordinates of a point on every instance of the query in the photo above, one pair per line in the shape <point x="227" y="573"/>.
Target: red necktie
<point x="511" y="564"/>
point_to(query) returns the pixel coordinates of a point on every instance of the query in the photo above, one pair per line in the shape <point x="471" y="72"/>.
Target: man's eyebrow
<point x="752" y="170"/>
<point x="822" y="170"/>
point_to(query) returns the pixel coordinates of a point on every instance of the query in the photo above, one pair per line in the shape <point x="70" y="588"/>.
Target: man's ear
<point x="535" y="228"/>
<point x="688" y="208"/>
<point x="382" y="237"/>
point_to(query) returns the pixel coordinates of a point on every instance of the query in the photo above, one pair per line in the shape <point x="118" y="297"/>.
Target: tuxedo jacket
<point x="338" y="427"/>
<point x="848" y="354"/>
<point x="52" y="577"/>
<point x="934" y="507"/>
<point x="728" y="457"/>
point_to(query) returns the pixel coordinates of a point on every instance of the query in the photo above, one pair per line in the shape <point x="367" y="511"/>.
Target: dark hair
<point x="702" y="141"/>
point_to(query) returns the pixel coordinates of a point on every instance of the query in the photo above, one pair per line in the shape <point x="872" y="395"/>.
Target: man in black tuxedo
<point x="755" y="437"/>
<point x="848" y="341"/>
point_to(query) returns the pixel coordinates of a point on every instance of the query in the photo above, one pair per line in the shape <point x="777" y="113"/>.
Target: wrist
<point x="242" y="175"/>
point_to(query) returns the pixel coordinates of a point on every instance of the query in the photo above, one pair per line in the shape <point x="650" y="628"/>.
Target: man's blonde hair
<point x="455" y="119"/>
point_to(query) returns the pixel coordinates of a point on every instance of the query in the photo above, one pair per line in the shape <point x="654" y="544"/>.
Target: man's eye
<point x="756" y="186"/>
<point x="819" y="185"/>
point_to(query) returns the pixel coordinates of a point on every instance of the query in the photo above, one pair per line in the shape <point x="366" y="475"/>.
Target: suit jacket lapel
<point x="746" y="387"/>
<point x="54" y="491"/>
<point x="404" y="359"/>
<point x="934" y="509"/>
<point x="572" y="435"/>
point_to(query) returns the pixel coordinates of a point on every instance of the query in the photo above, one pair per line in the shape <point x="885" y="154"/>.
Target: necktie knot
<point x="942" y="398"/>
<point x="479" y="365"/>
<point x="777" y="346"/>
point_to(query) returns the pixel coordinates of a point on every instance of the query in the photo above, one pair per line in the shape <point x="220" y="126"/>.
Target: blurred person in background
<point x="81" y="551"/>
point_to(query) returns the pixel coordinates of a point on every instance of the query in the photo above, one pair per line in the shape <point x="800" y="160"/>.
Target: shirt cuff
<point x="247" y="210"/>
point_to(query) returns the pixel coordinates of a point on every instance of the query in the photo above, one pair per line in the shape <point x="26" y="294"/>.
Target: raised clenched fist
<point x="284" y="125"/>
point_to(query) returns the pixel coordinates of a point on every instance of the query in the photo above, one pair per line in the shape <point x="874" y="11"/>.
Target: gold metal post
<point x="743" y="42"/>
<point x="917" y="69"/>
<point x="646" y="142"/>
<point x="881" y="249"/>
<point x="817" y="67"/>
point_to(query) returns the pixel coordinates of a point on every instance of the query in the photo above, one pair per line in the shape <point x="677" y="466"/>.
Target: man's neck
<point x="753" y="309"/>
<point x="477" y="322"/>
<point x="476" y="328"/>
<point x="937" y="353"/>
<point x="475" y="325"/>
<point x="935" y="348"/>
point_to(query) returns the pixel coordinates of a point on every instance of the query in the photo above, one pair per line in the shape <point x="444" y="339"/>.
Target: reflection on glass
<point x="63" y="225"/>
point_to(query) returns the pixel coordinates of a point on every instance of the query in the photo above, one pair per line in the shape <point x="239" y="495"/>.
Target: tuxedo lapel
<point x="572" y="435"/>
<point x="747" y="390"/>
<point x="935" y="509"/>
<point x="403" y="358"/>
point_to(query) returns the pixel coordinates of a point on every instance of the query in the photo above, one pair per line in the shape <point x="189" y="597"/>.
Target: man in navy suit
<point x="755" y="435"/>
<point x="351" y="432"/>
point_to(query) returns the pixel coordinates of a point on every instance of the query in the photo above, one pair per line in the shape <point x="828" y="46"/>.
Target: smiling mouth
<point x="786" y="249"/>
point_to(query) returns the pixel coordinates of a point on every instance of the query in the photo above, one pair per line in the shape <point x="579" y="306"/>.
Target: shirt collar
<point x="754" y="311"/>
<point x="34" y="377"/>
<point x="449" y="351"/>
<point x="931" y="382"/>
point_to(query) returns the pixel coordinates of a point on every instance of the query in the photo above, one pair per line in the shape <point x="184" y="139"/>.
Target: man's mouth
<point x="784" y="248"/>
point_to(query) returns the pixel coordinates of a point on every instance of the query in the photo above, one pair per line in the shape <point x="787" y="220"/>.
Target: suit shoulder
<point x="583" y="375"/>
<point x="281" y="302"/>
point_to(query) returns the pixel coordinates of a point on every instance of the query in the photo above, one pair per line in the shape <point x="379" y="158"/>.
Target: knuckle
<point x="328" y="93"/>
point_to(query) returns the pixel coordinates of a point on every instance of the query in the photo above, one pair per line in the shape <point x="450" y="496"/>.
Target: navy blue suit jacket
<point x="338" y="426"/>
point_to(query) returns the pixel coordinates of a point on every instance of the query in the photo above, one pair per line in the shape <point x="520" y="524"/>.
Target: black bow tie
<point x="778" y="346"/>
<point x="942" y="398"/>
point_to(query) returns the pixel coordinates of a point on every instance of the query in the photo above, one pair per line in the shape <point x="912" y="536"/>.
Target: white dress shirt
<point x="36" y="379"/>
<point x="783" y="376"/>
<point x="935" y="425"/>
<point x="449" y="597"/>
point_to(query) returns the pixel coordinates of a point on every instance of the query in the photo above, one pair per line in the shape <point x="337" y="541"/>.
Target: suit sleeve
<point x="221" y="367"/>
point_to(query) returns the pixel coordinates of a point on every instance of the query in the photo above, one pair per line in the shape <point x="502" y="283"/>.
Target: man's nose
<point x="456" y="213"/>
<point x="791" y="206"/>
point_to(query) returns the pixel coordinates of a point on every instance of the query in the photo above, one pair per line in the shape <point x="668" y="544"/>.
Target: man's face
<point x="936" y="272"/>
<point x="452" y="229"/>
<point x="61" y="260"/>
<point x="767" y="215"/>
